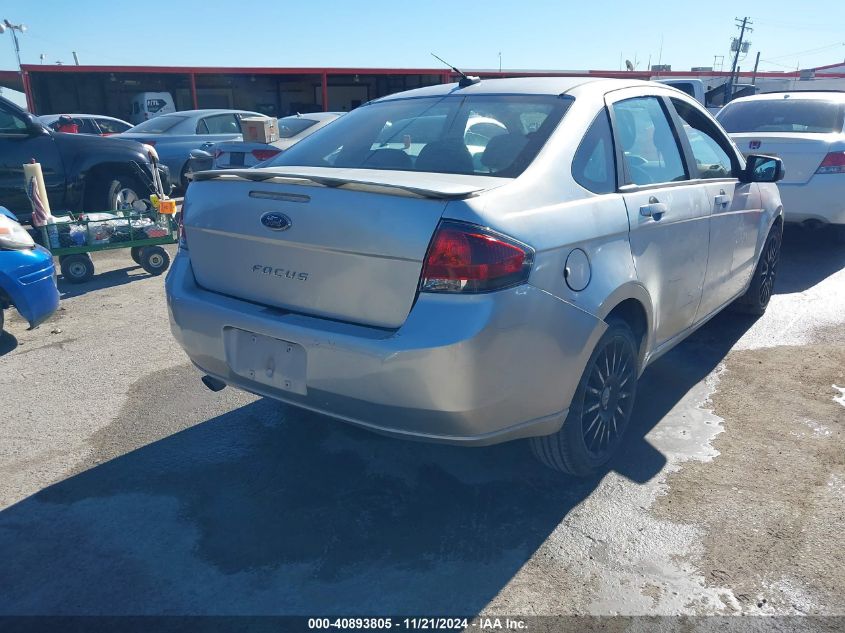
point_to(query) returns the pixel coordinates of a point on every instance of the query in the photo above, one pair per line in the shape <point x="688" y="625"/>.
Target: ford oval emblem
<point x="276" y="221"/>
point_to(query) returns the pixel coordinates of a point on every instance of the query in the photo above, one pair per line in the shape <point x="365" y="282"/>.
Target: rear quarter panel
<point x="548" y="210"/>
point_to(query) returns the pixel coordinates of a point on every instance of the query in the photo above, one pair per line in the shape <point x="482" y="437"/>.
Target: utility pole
<point x="743" y="27"/>
<point x="754" y="74"/>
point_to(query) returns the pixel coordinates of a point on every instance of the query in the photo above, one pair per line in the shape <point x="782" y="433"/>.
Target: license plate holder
<point x="266" y="360"/>
<point x="236" y="159"/>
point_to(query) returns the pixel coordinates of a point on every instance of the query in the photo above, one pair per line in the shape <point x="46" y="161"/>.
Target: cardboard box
<point x="260" y="130"/>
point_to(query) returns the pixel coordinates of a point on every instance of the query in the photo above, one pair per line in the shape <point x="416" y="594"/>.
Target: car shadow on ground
<point x="8" y="342"/>
<point x="269" y="509"/>
<point x="101" y="281"/>
<point x="808" y="256"/>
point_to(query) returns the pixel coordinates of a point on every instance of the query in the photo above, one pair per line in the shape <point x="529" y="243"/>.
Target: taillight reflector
<point x="466" y="258"/>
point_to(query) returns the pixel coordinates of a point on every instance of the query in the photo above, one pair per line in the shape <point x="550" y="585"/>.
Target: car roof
<point x="817" y="95"/>
<point x="47" y="117"/>
<point x="191" y="113"/>
<point x="526" y="85"/>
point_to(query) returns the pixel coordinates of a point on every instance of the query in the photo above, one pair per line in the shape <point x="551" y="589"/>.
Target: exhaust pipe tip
<point x="213" y="384"/>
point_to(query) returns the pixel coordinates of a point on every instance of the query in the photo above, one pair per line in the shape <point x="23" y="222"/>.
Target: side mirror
<point x="759" y="168"/>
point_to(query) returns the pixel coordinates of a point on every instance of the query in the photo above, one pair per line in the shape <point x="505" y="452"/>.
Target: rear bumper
<point x="821" y="198"/>
<point x="467" y="370"/>
<point x="28" y="280"/>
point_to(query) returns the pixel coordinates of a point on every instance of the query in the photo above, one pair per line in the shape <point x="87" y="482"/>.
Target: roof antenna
<point x="466" y="80"/>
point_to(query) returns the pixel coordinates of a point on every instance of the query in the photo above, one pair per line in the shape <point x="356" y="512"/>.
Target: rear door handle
<point x="654" y="209"/>
<point x="722" y="199"/>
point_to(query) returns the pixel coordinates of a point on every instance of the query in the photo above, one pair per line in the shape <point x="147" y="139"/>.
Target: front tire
<point x="600" y="410"/>
<point x="756" y="298"/>
<point x="115" y="193"/>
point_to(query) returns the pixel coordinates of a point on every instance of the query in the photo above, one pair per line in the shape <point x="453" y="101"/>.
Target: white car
<point x="88" y="123"/>
<point x="807" y="131"/>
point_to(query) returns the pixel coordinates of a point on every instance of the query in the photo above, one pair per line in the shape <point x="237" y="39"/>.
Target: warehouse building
<point x="109" y="90"/>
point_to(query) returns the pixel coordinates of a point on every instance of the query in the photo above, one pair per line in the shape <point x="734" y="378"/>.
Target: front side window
<point x="783" y="115"/>
<point x="489" y="135"/>
<point x="11" y="123"/>
<point x="594" y="163"/>
<point x="650" y="152"/>
<point x="709" y="147"/>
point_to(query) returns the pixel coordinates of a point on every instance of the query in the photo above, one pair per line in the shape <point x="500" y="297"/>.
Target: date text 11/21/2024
<point x="420" y="623"/>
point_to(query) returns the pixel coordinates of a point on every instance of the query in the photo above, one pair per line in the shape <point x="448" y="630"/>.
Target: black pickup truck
<point x="81" y="172"/>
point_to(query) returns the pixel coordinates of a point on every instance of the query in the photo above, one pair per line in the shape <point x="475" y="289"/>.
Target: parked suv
<point x="81" y="172"/>
<point x="429" y="295"/>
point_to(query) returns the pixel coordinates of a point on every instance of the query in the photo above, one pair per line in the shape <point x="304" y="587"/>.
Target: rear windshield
<point x="490" y="135"/>
<point x="158" y="125"/>
<point x="786" y="115"/>
<point x="293" y="125"/>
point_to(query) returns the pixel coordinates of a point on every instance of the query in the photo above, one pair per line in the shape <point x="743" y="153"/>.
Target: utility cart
<point x="74" y="238"/>
<point x="142" y="226"/>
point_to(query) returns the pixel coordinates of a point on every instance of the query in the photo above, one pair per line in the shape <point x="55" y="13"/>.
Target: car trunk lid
<point x="327" y="242"/>
<point x="801" y="153"/>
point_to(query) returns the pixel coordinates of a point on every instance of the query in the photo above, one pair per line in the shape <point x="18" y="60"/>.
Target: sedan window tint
<point x="594" y="163"/>
<point x="160" y="124"/>
<point x="709" y="146"/>
<point x="110" y="126"/>
<point x="491" y="135"/>
<point x="219" y="124"/>
<point x="783" y="115"/>
<point x="649" y="147"/>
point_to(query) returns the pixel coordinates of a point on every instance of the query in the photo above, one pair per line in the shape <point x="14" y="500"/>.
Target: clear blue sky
<point x="531" y="34"/>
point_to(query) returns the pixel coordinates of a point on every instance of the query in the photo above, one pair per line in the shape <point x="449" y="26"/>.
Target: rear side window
<point x="783" y="115"/>
<point x="290" y="126"/>
<point x="159" y="125"/>
<point x="108" y="126"/>
<point x="594" y="163"/>
<point x="219" y="124"/>
<point x="649" y="148"/>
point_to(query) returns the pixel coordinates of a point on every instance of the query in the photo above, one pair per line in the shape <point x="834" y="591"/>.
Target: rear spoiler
<point x="444" y="191"/>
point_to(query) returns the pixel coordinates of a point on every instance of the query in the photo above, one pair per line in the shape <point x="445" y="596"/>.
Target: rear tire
<point x="839" y="233"/>
<point x="600" y="409"/>
<point x="756" y="298"/>
<point x="77" y="269"/>
<point x="135" y="254"/>
<point x="154" y="259"/>
<point x="2" y="319"/>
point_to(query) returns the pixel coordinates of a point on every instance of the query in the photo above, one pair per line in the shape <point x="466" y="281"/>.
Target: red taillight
<point x="467" y="258"/>
<point x="264" y="154"/>
<point x="833" y="163"/>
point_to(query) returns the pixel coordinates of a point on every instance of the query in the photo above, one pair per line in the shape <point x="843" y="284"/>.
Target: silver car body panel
<point x="459" y="368"/>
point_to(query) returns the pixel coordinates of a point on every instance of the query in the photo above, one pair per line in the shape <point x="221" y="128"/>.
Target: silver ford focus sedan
<point x="421" y="277"/>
